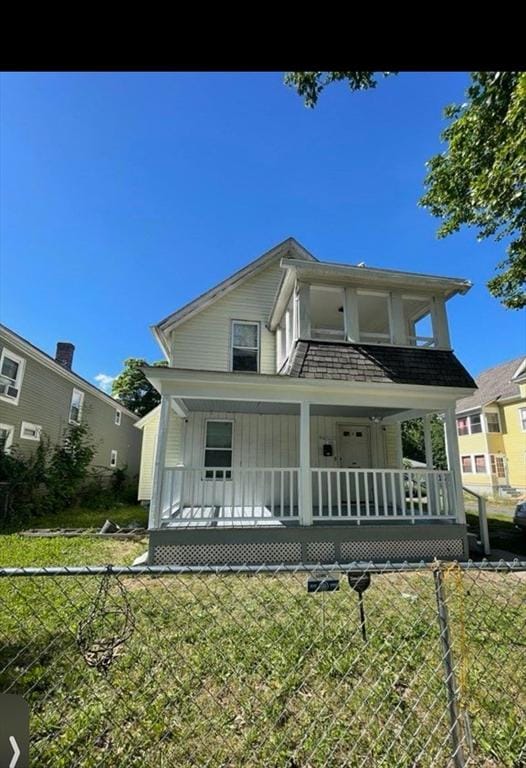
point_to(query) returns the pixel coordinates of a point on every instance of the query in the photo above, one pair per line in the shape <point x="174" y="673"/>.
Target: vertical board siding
<point x="203" y="341"/>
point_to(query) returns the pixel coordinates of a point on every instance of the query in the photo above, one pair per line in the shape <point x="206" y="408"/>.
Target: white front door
<point x="355" y="446"/>
<point x="355" y="453"/>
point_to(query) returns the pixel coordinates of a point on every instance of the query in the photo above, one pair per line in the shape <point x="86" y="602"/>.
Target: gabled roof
<point x="289" y="248"/>
<point x="379" y="363"/>
<point x="50" y="362"/>
<point x="147" y="417"/>
<point x="494" y="384"/>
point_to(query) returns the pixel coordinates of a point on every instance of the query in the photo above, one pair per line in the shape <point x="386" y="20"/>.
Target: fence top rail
<point x="501" y="566"/>
<point x="411" y="470"/>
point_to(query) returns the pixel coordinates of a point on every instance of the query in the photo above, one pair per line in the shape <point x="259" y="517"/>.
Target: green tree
<point x="413" y="441"/>
<point x="480" y="179"/>
<point x="133" y="389"/>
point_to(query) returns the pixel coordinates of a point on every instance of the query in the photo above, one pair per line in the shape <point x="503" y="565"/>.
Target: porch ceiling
<point x="248" y="406"/>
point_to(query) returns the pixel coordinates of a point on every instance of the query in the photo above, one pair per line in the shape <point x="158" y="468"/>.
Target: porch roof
<point x="379" y="363"/>
<point x="186" y="384"/>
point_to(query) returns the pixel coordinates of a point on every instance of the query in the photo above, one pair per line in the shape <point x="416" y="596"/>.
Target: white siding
<point x="258" y="441"/>
<point x="203" y="341"/>
<point x="149" y="440"/>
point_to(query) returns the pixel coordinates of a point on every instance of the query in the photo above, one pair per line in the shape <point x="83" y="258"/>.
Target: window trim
<point x="29" y="425"/>
<point x="114" y="455"/>
<point x="466" y="471"/>
<point x="522" y="419"/>
<point x="471" y="456"/>
<point x="118" y="417"/>
<point x="484" y="456"/>
<point x="492" y="432"/>
<point x="10" y="428"/>
<point x="258" y="348"/>
<point x="231" y="449"/>
<point x="21" y="361"/>
<point x="468" y="418"/>
<point x="81" y="406"/>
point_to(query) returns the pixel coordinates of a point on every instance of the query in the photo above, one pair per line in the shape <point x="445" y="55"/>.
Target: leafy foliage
<point x="309" y="85"/>
<point x="413" y="441"/>
<point x="133" y="389"/>
<point x="480" y="179"/>
<point x="48" y="479"/>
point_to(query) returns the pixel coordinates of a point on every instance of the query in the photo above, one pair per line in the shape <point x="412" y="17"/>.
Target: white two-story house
<point x="277" y="438"/>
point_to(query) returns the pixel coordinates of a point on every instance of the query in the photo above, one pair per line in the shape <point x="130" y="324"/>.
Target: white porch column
<point x="453" y="460"/>
<point x="428" y="445"/>
<point x="279" y="348"/>
<point x="305" y="481"/>
<point x="154" y="518"/>
<point x="350" y="315"/>
<point x="399" y="446"/>
<point x="288" y="333"/>
<point x="304" y="310"/>
<point x="398" y="327"/>
<point x="439" y="323"/>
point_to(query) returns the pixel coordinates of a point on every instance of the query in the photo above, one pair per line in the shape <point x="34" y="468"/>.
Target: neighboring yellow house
<point x="491" y="428"/>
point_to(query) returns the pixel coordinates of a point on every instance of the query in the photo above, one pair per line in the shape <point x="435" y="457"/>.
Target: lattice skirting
<point x="257" y="553"/>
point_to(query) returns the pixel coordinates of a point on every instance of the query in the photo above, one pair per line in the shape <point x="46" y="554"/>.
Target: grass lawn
<point x="502" y="533"/>
<point x="16" y="550"/>
<point x="237" y="670"/>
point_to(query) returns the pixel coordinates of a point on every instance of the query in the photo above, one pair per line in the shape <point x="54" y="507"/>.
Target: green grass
<point x="228" y="671"/>
<point x="91" y="518"/>
<point x="24" y="551"/>
<point x="503" y="533"/>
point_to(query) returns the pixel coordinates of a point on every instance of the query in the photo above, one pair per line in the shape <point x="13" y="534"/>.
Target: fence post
<point x="447" y="660"/>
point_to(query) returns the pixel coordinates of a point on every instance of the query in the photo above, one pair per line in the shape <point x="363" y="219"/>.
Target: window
<point x="374" y="317"/>
<point x="497" y="466"/>
<point x="75" y="409"/>
<point x="522" y="418"/>
<point x="30" y="431"/>
<point x="463" y="426"/>
<point x="7" y="432"/>
<point x="113" y="459"/>
<point x="11" y="375"/>
<point x="218" y="448"/>
<point x="475" y="423"/>
<point x="467" y="465"/>
<point x="118" y="416"/>
<point x="245" y="346"/>
<point x="480" y="464"/>
<point x="492" y="422"/>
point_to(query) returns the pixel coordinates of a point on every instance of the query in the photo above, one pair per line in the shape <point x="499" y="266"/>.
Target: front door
<point x="355" y="447"/>
<point x="355" y="453"/>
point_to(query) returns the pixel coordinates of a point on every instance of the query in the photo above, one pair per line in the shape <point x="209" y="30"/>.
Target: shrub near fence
<point x="161" y="666"/>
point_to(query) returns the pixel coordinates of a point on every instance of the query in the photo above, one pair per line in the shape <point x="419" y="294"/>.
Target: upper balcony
<point x="329" y="302"/>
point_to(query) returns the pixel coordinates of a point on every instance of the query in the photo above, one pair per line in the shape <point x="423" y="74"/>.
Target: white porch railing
<point x="237" y="496"/>
<point x="380" y="494"/>
<point x="205" y="496"/>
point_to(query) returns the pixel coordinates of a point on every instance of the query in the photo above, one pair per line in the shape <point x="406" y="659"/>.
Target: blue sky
<point x="124" y="195"/>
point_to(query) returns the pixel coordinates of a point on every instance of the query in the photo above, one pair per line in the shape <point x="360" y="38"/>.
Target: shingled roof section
<point x="378" y="363"/>
<point x="493" y="384"/>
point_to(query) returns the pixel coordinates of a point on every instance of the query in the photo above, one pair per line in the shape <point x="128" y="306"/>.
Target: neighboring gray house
<point x="41" y="396"/>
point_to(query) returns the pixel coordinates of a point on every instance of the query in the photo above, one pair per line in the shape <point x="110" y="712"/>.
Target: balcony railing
<point x="219" y="496"/>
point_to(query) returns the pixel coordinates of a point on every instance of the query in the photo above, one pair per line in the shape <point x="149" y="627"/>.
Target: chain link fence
<point x="359" y="665"/>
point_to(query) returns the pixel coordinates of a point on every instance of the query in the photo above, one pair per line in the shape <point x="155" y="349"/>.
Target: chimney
<point x="64" y="354"/>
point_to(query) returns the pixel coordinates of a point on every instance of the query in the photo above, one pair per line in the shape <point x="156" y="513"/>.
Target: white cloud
<point x="104" y="382"/>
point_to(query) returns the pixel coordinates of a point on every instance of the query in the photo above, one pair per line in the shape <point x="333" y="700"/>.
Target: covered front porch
<point x="253" y="456"/>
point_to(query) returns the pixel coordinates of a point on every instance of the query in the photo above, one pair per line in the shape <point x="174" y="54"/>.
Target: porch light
<point x="375" y="419"/>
